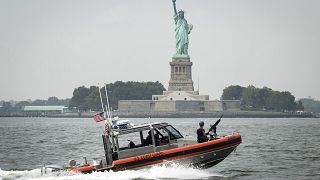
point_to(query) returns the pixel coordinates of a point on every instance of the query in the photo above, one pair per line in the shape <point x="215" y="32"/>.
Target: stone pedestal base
<point x="181" y="78"/>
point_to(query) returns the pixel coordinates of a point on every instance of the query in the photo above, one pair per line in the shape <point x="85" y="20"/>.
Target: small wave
<point x="12" y="175"/>
<point x="154" y="172"/>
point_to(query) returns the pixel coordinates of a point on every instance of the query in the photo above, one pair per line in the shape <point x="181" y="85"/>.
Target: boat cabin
<point x="140" y="140"/>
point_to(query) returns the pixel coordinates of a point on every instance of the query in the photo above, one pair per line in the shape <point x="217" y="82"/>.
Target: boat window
<point x="164" y="134"/>
<point x="174" y="134"/>
<point x="165" y="131"/>
<point x="147" y="141"/>
<point x="129" y="141"/>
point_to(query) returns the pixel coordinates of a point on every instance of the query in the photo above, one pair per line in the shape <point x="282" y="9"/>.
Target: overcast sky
<point x="50" y="47"/>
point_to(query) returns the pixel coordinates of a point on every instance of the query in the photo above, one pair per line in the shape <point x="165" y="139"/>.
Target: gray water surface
<point x="271" y="148"/>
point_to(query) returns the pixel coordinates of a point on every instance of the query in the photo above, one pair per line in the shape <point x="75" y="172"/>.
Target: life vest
<point x="201" y="136"/>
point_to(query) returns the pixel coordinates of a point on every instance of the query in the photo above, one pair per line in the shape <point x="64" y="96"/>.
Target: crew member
<point x="201" y="134"/>
<point x="148" y="140"/>
<point x="157" y="139"/>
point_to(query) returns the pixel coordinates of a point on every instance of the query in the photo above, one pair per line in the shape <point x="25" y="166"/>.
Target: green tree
<point x="281" y="101"/>
<point x="263" y="95"/>
<point x="232" y="93"/>
<point x="53" y="101"/>
<point x="250" y="96"/>
<point x="20" y="105"/>
<point x="39" y="102"/>
<point x="93" y="99"/>
<point x="262" y="99"/>
<point x="89" y="98"/>
<point x="6" y="107"/>
<point x="78" y="99"/>
<point x="288" y="101"/>
<point x="132" y="91"/>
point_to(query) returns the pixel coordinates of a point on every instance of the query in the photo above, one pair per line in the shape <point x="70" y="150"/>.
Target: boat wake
<point x="155" y="172"/>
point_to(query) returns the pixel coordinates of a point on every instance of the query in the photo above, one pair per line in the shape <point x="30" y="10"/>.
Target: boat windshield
<point x="175" y="133"/>
<point x="166" y="130"/>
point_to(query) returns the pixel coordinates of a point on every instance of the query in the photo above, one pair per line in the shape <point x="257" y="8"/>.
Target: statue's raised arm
<point x="174" y="6"/>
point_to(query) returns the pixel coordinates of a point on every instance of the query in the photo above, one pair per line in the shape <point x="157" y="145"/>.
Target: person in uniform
<point x="201" y="134"/>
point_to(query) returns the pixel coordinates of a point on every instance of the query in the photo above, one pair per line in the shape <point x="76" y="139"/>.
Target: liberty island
<point x="180" y="100"/>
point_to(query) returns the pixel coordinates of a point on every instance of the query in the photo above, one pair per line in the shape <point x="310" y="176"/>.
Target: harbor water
<point x="271" y="149"/>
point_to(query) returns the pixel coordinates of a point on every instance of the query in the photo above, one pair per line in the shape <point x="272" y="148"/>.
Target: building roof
<point x="44" y="108"/>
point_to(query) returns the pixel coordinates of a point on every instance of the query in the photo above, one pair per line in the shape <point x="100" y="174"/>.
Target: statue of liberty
<point x="182" y="30"/>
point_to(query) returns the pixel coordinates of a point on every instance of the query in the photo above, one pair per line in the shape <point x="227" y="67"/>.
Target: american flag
<point x="99" y="117"/>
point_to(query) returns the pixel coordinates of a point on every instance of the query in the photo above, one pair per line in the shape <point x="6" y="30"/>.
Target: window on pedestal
<point x="183" y="69"/>
<point x="176" y="69"/>
<point x="180" y="69"/>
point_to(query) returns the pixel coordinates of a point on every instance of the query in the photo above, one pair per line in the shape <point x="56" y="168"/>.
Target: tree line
<point x="89" y="98"/>
<point x="265" y="98"/>
<point x="8" y="106"/>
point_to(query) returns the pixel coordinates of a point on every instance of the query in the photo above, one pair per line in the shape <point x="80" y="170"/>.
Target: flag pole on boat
<point x="101" y="99"/>
<point x="108" y="106"/>
<point x="107" y="130"/>
<point x="109" y="117"/>
<point x="103" y="110"/>
<point x="109" y="113"/>
<point x="100" y="116"/>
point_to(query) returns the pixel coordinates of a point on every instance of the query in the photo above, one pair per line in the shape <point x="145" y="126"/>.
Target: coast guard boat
<point x="130" y="147"/>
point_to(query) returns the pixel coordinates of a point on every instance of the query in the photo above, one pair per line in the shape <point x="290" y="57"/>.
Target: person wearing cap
<point x="201" y="134"/>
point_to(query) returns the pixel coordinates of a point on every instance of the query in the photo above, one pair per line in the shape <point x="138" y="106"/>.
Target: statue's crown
<point x="181" y="11"/>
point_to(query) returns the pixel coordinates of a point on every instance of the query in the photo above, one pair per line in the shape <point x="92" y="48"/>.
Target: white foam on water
<point x="12" y="175"/>
<point x="154" y="172"/>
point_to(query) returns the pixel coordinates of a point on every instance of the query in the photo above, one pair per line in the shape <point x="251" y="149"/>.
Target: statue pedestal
<point x="180" y="83"/>
<point x="181" y="78"/>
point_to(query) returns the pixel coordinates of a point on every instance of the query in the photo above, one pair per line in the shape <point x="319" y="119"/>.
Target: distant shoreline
<point x="226" y="114"/>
